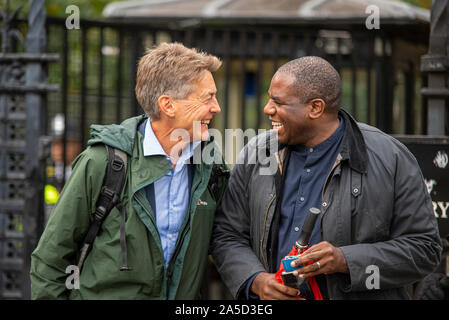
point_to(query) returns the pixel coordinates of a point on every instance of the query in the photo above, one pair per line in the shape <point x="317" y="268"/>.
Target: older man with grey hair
<point x="156" y="245"/>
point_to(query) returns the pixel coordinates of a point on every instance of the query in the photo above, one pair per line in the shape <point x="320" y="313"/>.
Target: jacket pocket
<point x="206" y="204"/>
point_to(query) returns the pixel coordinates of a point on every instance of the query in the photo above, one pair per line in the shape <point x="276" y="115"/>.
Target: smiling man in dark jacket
<point x="376" y="233"/>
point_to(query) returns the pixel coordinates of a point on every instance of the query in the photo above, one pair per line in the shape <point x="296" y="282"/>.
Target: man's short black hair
<point x="315" y="78"/>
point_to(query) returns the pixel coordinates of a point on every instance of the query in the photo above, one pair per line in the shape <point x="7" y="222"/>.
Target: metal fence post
<point x="23" y="147"/>
<point x="436" y="65"/>
<point x="34" y="106"/>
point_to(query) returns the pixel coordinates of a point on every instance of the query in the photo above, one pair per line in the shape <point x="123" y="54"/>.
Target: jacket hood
<point x="117" y="136"/>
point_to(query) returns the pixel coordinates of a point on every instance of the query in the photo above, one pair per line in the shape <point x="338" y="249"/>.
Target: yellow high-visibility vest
<point x="51" y="194"/>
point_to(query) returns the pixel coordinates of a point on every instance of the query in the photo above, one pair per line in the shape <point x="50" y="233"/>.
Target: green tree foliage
<point x="89" y="9"/>
<point x="427" y="4"/>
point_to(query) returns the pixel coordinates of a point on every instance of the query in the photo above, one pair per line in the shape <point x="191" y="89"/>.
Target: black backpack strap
<point x="109" y="198"/>
<point x="121" y="208"/>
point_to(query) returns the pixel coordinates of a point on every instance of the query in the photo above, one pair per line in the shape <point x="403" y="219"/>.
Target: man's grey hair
<point x="170" y="69"/>
<point x="315" y="78"/>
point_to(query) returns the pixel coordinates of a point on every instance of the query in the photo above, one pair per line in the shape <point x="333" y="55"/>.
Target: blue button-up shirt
<point x="171" y="192"/>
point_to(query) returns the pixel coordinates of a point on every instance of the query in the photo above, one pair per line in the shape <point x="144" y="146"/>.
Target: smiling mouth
<point x="276" y="125"/>
<point x="205" y="122"/>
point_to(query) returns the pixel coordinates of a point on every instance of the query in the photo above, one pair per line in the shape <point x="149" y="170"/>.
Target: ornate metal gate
<point x="23" y="91"/>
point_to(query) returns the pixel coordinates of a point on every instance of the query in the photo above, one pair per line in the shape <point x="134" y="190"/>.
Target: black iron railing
<point x="99" y="62"/>
<point x="23" y="145"/>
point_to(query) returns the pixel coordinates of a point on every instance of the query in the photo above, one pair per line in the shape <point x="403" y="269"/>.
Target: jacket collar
<point x="353" y="147"/>
<point x="121" y="136"/>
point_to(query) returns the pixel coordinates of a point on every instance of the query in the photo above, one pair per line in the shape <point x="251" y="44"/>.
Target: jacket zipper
<point x="175" y="253"/>
<point x="336" y="164"/>
<point x="177" y="248"/>
<point x="170" y="268"/>
<point x="280" y="166"/>
<point x="141" y="204"/>
<point x="264" y="229"/>
<point x="142" y="186"/>
<point x="183" y="234"/>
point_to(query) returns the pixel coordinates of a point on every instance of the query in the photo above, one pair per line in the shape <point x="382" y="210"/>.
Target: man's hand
<point x="267" y="288"/>
<point x="328" y="259"/>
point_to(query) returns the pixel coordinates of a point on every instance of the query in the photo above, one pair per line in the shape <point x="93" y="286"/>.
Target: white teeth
<point x="205" y="122"/>
<point x="276" y="124"/>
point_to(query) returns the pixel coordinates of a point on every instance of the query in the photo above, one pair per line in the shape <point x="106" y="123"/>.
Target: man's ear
<point x="166" y="107"/>
<point x="317" y="107"/>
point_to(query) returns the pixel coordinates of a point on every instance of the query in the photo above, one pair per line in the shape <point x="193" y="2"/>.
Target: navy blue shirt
<point x="306" y="173"/>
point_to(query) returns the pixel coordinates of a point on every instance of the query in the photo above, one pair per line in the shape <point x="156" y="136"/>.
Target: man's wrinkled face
<point x="288" y="116"/>
<point x="195" y="112"/>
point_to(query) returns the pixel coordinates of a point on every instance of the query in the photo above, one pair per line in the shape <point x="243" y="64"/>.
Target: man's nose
<point x="269" y="108"/>
<point x="215" y="108"/>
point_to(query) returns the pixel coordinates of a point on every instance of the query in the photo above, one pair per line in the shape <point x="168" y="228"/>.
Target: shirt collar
<point x="323" y="146"/>
<point x="335" y="136"/>
<point x="152" y="146"/>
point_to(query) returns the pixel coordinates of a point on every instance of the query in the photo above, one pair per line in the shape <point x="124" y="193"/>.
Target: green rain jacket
<point x="100" y="277"/>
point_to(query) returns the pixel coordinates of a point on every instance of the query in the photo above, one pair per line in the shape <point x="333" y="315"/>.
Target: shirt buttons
<point x="324" y="204"/>
<point x="296" y="229"/>
<point x="311" y="149"/>
<point x="308" y="170"/>
<point x="302" y="198"/>
<point x="172" y="207"/>
<point x="170" y="236"/>
<point x="356" y="190"/>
